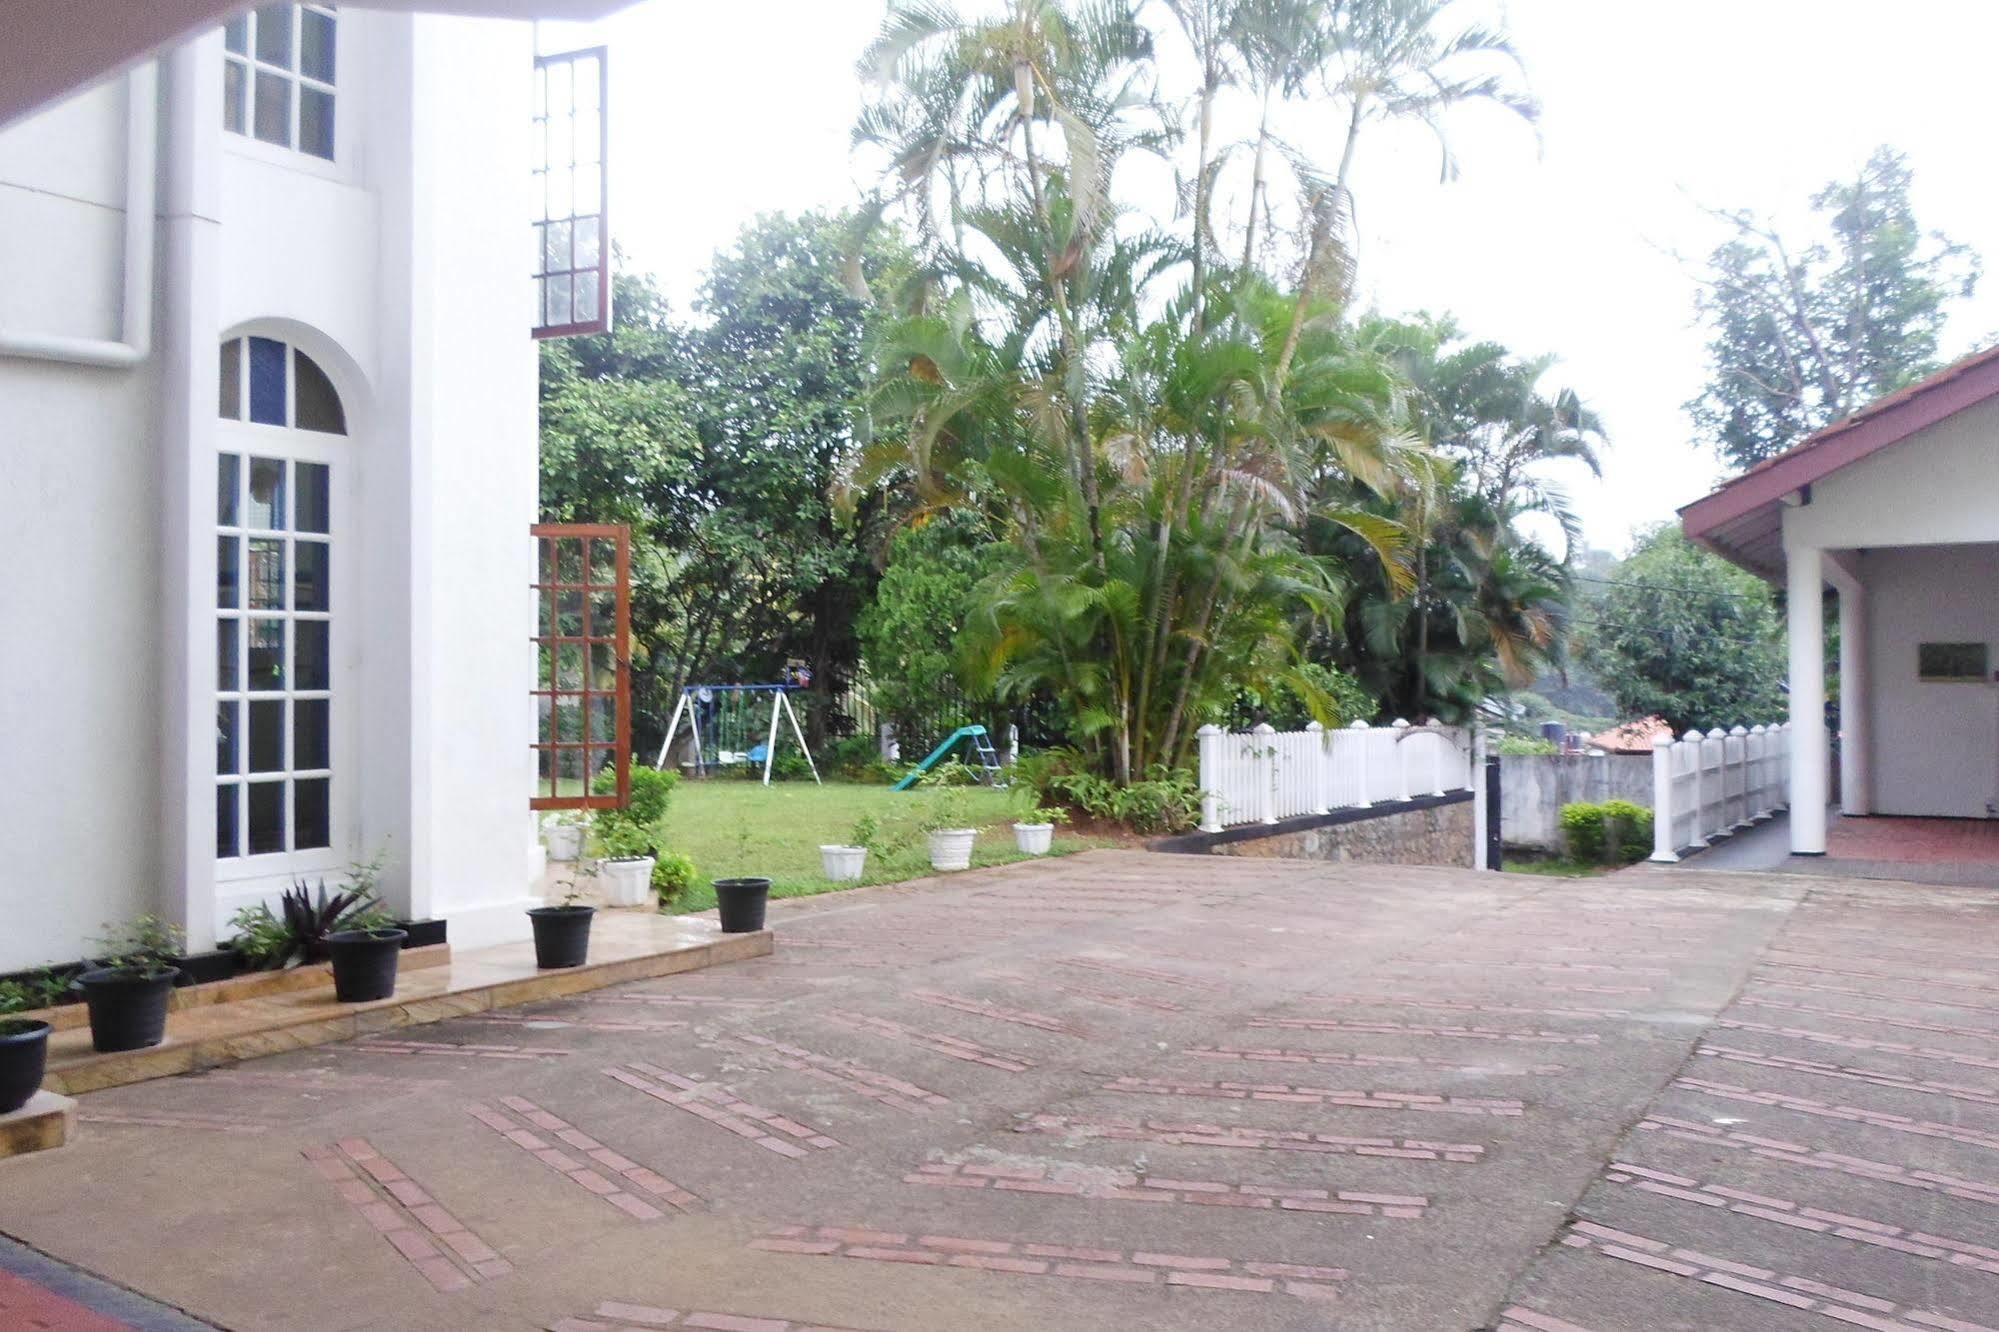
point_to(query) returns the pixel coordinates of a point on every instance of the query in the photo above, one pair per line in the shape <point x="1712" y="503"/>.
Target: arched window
<point x="276" y="515"/>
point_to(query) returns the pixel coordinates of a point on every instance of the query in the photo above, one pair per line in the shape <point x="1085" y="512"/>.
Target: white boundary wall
<point x="1705" y="787"/>
<point x="1264" y="775"/>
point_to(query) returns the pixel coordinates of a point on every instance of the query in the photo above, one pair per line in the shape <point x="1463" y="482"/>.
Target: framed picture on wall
<point x="1951" y="663"/>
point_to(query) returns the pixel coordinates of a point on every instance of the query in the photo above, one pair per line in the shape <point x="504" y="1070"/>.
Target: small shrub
<point x="672" y="873"/>
<point x="146" y="945"/>
<point x="1613" y="832"/>
<point x="856" y="758"/>
<point x="628" y="831"/>
<point x="1161" y="800"/>
<point x="1522" y="744"/>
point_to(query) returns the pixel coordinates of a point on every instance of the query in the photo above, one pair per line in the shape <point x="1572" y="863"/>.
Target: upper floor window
<point x="572" y="246"/>
<point x="277" y="76"/>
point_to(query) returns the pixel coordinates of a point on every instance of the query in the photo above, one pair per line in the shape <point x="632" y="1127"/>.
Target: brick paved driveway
<point x="1127" y="1091"/>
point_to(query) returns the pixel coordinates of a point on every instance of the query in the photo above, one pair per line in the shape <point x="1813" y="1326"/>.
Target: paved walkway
<point x="1964" y="852"/>
<point x="1126" y="1090"/>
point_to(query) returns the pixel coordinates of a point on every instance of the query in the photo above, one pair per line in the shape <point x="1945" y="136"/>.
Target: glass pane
<point x="267" y="573"/>
<point x="228" y="636"/>
<point x="267" y="495"/>
<point x="558" y="301"/>
<point x="313" y="501"/>
<point x="538" y="235"/>
<point x="562" y="192"/>
<point x="569" y="666"/>
<point x="267" y="381"/>
<point x="274" y="35"/>
<point x="316" y="405"/>
<point x="231" y="399"/>
<point x="541" y="303"/>
<point x="314" y="669"/>
<point x="315" y="45"/>
<point x="312" y="821"/>
<point x="266" y="668"/>
<point x="225" y="819"/>
<point x="311" y="737"/>
<point x="603" y="718"/>
<point x="588" y="76"/>
<point x="555" y="257"/>
<point x="267" y="817"/>
<point x="558" y="89"/>
<point x="589" y="196"/>
<point x="235" y="96"/>
<point x="569" y="772"/>
<point x="568" y="718"/>
<point x="588" y="131"/>
<point x="309" y="582"/>
<point x="585" y="309"/>
<point x="236" y="34"/>
<point x="227" y="717"/>
<point x="569" y="614"/>
<point x="540" y="92"/>
<point x="603" y="666"/>
<point x="603" y="562"/>
<point x="228" y="592"/>
<point x="603" y="613"/>
<point x="267" y="735"/>
<point x="274" y="108"/>
<point x="226" y="469"/>
<point x="589" y="241"/>
<point x="315" y="122"/>
<point x="568" y="560"/>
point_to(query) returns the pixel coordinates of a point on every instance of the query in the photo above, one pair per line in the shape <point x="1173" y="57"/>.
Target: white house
<point x="1897" y="509"/>
<point x="268" y="302"/>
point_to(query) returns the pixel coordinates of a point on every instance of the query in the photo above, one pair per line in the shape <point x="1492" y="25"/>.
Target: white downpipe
<point x="1804" y="569"/>
<point x="136" y="314"/>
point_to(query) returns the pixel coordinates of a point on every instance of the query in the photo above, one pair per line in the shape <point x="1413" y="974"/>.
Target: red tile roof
<point x="1632" y="737"/>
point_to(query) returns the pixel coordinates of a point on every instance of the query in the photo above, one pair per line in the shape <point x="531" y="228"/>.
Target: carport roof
<point x="1743" y="520"/>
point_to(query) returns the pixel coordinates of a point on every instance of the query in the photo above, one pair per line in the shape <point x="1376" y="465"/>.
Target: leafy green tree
<point x="912" y="632"/>
<point x="1799" y="337"/>
<point x="1683" y="633"/>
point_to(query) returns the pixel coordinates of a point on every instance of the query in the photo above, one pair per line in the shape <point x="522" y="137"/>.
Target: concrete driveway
<point x="1127" y="1091"/>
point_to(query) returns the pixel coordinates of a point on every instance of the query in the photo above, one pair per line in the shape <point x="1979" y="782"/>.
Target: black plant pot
<point x="24" y="1053"/>
<point x="128" y="1009"/>
<point x="740" y="904"/>
<point x="364" y="963"/>
<point x="561" y="935"/>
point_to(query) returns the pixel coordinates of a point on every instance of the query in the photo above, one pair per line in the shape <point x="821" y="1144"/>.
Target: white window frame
<point x="246" y="441"/>
<point x="340" y="91"/>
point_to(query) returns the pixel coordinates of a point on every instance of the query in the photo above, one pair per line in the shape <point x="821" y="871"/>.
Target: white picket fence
<point x="1264" y="775"/>
<point x="1705" y="786"/>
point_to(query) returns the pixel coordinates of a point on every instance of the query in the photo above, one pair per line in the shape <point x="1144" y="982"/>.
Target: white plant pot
<point x="627" y="882"/>
<point x="843" y="863"/>
<point x="951" y="848"/>
<point x="565" y="840"/>
<point x="1033" y="838"/>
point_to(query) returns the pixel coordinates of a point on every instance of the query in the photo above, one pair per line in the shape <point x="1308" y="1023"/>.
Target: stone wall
<point x="1534" y="787"/>
<point x="1429" y="830"/>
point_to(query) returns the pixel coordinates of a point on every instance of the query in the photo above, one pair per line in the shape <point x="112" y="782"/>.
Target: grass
<point x="1556" y="869"/>
<point x="732" y="828"/>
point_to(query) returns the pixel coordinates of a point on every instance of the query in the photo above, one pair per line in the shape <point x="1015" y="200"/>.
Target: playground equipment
<point x="721" y="718"/>
<point x="982" y="749"/>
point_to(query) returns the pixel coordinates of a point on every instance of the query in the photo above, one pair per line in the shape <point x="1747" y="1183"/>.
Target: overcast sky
<point x="1566" y="246"/>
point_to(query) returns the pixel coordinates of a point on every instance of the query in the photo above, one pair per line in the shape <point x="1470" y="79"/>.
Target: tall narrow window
<point x="274" y="685"/>
<point x="582" y="646"/>
<point x="572" y="243"/>
<point x="277" y="76"/>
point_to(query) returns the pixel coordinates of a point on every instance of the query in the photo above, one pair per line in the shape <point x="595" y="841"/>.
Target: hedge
<point x="1613" y="832"/>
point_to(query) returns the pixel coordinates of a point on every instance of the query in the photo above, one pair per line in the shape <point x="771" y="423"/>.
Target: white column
<point x="1856" y="795"/>
<point x="1359" y="746"/>
<point x="1401" y="759"/>
<point x="1663" y="849"/>
<point x="1209" y="742"/>
<point x="1318" y="767"/>
<point x="1478" y="811"/>
<point x="1806" y="584"/>
<point x="1263" y="762"/>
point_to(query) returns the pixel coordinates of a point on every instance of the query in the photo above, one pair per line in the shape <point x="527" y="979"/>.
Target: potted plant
<point x="1036" y="830"/>
<point x="24" y="1048"/>
<point x="127" y="991"/>
<point x="947" y="816"/>
<point x="628" y="860"/>
<point x="740" y="901"/>
<point x="562" y="931"/>
<point x="844" y="863"/>
<point x="563" y="831"/>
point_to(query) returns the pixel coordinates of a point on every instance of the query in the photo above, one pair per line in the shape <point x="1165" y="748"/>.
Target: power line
<point x="1667" y="587"/>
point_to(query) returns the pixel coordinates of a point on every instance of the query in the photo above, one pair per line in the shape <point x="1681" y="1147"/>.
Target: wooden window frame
<point x="549" y="640"/>
<point x="544" y="119"/>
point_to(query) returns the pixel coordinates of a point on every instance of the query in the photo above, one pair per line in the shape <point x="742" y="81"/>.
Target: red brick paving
<point x="406" y="1216"/>
<point x="1284" y="1093"/>
<point x="1955" y="1091"/>
<point x="1154" y="1189"/>
<point x="1791" y="1153"/>
<point x="613" y="1316"/>
<point x="893" y="1092"/>
<point x="1345" y="1059"/>
<point x="623" y="1169"/>
<point x="1258" y="1139"/>
<point x="1918" y="841"/>
<point x="28" y="1306"/>
<point x="956" y="1047"/>
<point x="710" y="1101"/>
<point x="1439" y="1032"/>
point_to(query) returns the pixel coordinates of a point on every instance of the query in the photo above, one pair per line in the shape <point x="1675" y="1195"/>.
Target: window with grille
<point x="275" y="691"/>
<point x="277" y="76"/>
<point x="582" y="680"/>
<point x="572" y="242"/>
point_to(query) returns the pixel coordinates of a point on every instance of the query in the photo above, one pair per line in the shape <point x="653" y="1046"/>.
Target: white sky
<point x="720" y="112"/>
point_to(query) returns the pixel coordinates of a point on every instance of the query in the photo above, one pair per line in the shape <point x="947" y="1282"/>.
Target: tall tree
<point x="1800" y="335"/>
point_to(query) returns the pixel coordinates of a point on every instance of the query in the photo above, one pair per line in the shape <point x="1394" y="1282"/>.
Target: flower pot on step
<point x="364" y="963"/>
<point x="128" y="1008"/>
<point x="565" y="840"/>
<point x="24" y="1054"/>
<point x="561" y="935"/>
<point x="951" y="848"/>
<point x="627" y="881"/>
<point x="843" y="863"/>
<point x="1034" y="838"/>
<point x="740" y="903"/>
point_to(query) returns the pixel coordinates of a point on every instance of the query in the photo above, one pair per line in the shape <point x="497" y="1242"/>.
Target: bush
<point x="629" y="829"/>
<point x="672" y="874"/>
<point x="1613" y="832"/>
<point x="856" y="758"/>
<point x="1522" y="744"/>
<point x="1163" y="800"/>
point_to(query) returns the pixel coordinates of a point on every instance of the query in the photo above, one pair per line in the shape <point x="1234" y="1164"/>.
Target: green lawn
<point x="732" y="827"/>
<point x="1555" y="869"/>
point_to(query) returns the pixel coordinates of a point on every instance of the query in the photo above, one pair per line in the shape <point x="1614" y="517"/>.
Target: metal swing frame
<point x="780" y="707"/>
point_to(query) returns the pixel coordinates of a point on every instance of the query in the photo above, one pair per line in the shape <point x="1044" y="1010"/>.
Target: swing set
<point x="724" y="719"/>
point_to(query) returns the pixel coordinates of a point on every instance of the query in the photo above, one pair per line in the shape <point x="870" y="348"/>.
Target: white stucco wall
<point x="1935" y="746"/>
